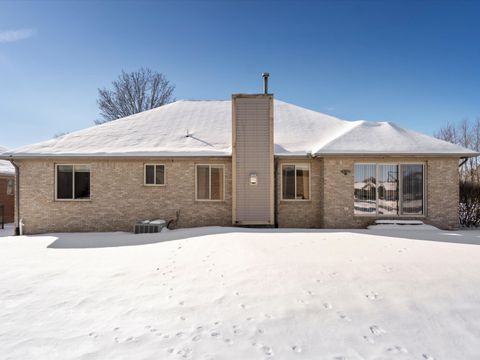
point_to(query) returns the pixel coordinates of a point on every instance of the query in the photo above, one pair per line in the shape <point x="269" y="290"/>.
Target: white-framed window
<point x="209" y="182"/>
<point x="154" y="175"/>
<point x="72" y="182"/>
<point x="295" y="182"/>
<point x="10" y="187"/>
<point x="389" y="189"/>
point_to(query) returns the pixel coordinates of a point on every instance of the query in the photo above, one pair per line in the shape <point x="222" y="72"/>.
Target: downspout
<point x="18" y="221"/>
<point x="275" y="195"/>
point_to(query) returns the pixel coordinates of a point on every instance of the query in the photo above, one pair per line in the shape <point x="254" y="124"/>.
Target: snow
<point x="231" y="293"/>
<point x="6" y="167"/>
<point x="203" y="128"/>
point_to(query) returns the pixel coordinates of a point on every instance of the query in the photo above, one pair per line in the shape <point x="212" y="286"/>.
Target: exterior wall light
<point x="253" y="179"/>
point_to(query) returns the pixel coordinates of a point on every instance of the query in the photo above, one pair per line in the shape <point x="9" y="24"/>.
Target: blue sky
<point x="413" y="63"/>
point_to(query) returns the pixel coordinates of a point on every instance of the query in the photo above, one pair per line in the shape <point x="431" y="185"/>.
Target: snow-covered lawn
<point x="225" y="293"/>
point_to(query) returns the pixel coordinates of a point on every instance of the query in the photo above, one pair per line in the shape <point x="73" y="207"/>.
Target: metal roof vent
<point x="265" y="76"/>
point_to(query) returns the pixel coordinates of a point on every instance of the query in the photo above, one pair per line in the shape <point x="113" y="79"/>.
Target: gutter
<point x="17" y="198"/>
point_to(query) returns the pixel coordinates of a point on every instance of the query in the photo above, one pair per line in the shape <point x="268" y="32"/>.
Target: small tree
<point x="132" y="93"/>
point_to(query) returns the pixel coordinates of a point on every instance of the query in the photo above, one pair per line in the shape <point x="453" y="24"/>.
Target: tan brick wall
<point x="442" y="190"/>
<point x="118" y="196"/>
<point x="303" y="214"/>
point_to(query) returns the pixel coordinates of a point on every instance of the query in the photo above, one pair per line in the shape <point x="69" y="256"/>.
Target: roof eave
<point x="399" y="154"/>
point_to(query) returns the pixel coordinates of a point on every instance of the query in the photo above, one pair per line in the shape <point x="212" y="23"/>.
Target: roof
<point x="203" y="128"/>
<point x="6" y="167"/>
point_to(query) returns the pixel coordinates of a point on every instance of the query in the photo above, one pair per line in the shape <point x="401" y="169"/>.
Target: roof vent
<point x="265" y="76"/>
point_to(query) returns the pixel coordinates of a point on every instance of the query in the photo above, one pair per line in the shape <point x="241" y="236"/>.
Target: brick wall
<point x="442" y="192"/>
<point x="118" y="197"/>
<point x="8" y="201"/>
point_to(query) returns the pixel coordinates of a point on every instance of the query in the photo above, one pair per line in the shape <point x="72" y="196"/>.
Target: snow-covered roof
<point x="203" y="128"/>
<point x="6" y="168"/>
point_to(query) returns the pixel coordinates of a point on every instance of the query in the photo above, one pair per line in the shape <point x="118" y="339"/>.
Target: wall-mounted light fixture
<point x="345" y="171"/>
<point x="253" y="179"/>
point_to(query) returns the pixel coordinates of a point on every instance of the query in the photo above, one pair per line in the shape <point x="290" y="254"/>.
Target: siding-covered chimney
<point x="252" y="157"/>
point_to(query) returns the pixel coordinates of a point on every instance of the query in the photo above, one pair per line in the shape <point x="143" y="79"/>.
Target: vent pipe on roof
<point x="265" y="76"/>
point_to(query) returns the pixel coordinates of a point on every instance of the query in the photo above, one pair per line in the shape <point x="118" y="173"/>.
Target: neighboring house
<point x="250" y="161"/>
<point x="7" y="189"/>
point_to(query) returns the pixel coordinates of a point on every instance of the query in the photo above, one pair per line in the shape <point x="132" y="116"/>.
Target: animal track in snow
<point x="196" y="338"/>
<point x="428" y="357"/>
<point x="377" y="330"/>
<point x="369" y="339"/>
<point x="372" y="296"/>
<point x="296" y="348"/>
<point x="397" y="350"/>
<point x="327" y="305"/>
<point x="267" y="350"/>
<point x="343" y="316"/>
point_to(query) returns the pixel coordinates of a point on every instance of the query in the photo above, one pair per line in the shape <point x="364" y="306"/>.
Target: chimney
<point x="265" y="76"/>
<point x="253" y="195"/>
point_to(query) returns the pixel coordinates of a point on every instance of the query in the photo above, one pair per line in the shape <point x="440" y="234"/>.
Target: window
<point x="388" y="189"/>
<point x="154" y="174"/>
<point x="10" y="184"/>
<point x="73" y="182"/>
<point x="365" y="189"/>
<point x="210" y="182"/>
<point x="295" y="182"/>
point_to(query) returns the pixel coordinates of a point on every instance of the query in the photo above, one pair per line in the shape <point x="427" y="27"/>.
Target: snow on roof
<point x="6" y="168"/>
<point x="203" y="128"/>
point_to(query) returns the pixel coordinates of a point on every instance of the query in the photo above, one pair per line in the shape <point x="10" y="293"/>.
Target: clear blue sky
<point x="413" y="63"/>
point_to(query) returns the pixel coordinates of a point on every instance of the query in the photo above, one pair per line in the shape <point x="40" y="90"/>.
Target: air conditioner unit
<point x="149" y="226"/>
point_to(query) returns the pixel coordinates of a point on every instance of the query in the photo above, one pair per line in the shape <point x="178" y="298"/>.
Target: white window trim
<point x="73" y="182"/>
<point x="154" y="174"/>
<point x="210" y="182"/>
<point x="309" y="181"/>
<point x="400" y="184"/>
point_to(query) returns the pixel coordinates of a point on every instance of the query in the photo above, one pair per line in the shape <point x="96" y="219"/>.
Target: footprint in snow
<point x="343" y="316"/>
<point x="243" y="306"/>
<point x="229" y="341"/>
<point x="267" y="350"/>
<point x="185" y="352"/>
<point x="93" y="335"/>
<point x="369" y="339"/>
<point x="397" y="350"/>
<point x="377" y="330"/>
<point x="215" y="334"/>
<point x="327" y="305"/>
<point x="428" y="357"/>
<point x="196" y="338"/>
<point x="296" y="348"/>
<point x="372" y="296"/>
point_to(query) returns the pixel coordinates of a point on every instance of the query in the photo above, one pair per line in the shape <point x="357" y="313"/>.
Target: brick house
<point x="7" y="190"/>
<point x="249" y="161"/>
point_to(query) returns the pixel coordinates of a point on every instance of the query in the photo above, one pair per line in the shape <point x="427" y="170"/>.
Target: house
<point x="7" y="190"/>
<point x="253" y="160"/>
